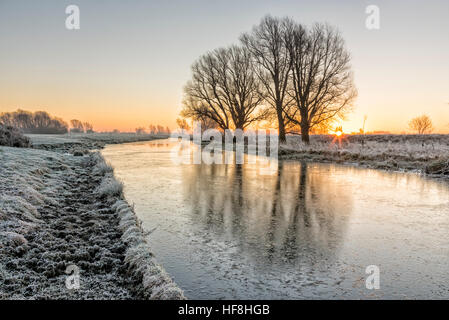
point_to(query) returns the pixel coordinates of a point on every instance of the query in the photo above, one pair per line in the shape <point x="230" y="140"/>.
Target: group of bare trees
<point x="282" y="72"/>
<point x="39" y="122"/>
<point x="158" y="129"/>
<point x="80" y="127"/>
<point x="153" y="129"/>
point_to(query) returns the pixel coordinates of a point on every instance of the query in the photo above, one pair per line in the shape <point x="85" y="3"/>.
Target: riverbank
<point x="57" y="210"/>
<point x="82" y="143"/>
<point x="425" y="154"/>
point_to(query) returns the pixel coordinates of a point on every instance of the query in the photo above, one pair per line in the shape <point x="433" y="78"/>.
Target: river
<point x="306" y="230"/>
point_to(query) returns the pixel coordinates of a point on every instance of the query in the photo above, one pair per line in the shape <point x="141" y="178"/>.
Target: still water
<point x="303" y="231"/>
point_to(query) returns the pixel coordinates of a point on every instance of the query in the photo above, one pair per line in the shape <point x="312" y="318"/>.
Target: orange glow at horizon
<point x="104" y="111"/>
<point x="131" y="74"/>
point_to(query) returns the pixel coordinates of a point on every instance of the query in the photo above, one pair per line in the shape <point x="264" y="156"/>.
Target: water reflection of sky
<point x="305" y="231"/>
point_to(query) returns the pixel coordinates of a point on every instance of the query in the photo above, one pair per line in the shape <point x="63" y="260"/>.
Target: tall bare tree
<point x="182" y="124"/>
<point x="77" y="126"/>
<point x="225" y="88"/>
<point x="88" y="127"/>
<point x="421" y="124"/>
<point x="322" y="84"/>
<point x="267" y="45"/>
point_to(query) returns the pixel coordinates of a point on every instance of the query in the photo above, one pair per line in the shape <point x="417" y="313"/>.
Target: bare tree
<point x="160" y="129"/>
<point x="267" y="45"/>
<point x="23" y="119"/>
<point x="205" y="121"/>
<point x="421" y="124"/>
<point x="140" y="130"/>
<point x="77" y="126"/>
<point x="41" y="119"/>
<point x="322" y="84"/>
<point x="323" y="127"/>
<point x="88" y="127"/>
<point x="182" y="124"/>
<point x="225" y="88"/>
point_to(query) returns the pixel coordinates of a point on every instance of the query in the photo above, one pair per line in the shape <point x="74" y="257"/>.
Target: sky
<point x="127" y="64"/>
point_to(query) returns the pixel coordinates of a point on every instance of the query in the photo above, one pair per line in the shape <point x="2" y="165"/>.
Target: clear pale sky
<point x="128" y="63"/>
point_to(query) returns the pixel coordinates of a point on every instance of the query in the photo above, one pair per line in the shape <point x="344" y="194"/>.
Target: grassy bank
<point x="427" y="154"/>
<point x="81" y="143"/>
<point x="58" y="210"/>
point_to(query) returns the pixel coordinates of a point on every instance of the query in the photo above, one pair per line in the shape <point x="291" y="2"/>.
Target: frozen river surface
<point x="303" y="231"/>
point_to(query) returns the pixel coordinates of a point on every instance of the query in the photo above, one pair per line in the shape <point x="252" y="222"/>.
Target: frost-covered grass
<point x="27" y="181"/>
<point x="57" y="210"/>
<point x="105" y="138"/>
<point x="82" y="143"/>
<point x="12" y="137"/>
<point x="156" y="283"/>
<point x="395" y="152"/>
<point x="110" y="187"/>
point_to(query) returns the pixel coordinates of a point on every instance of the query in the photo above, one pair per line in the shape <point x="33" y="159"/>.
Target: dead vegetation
<point x="421" y="153"/>
<point x="13" y="137"/>
<point x="440" y="167"/>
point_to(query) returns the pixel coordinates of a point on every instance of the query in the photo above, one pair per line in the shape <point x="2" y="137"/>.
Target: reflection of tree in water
<point x="293" y="214"/>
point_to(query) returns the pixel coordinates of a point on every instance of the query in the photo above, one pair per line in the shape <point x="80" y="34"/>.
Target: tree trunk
<point x="305" y="133"/>
<point x="282" y="138"/>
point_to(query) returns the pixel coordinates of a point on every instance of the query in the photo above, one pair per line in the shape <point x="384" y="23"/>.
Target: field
<point x="57" y="210"/>
<point x="420" y="153"/>
<point x="83" y="142"/>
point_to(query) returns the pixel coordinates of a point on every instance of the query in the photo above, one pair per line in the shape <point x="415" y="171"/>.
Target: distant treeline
<point x="34" y="122"/>
<point x="153" y="129"/>
<point x="80" y="127"/>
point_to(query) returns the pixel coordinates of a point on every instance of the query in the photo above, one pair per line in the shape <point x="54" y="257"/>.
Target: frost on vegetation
<point x="3" y="272"/>
<point x="156" y="282"/>
<point x="12" y="137"/>
<point x="440" y="166"/>
<point x="159" y="283"/>
<point x="18" y="208"/>
<point x="26" y="186"/>
<point x="387" y="151"/>
<point x="102" y="168"/>
<point x="110" y="187"/>
<point x="399" y="145"/>
<point x="30" y="181"/>
<point x="12" y="238"/>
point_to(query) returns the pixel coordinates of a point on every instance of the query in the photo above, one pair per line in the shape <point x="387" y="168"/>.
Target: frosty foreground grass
<point x="156" y="282"/>
<point x="57" y="210"/>
<point x="26" y="185"/>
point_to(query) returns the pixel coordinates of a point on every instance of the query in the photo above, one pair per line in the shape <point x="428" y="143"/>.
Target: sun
<point x="338" y="133"/>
